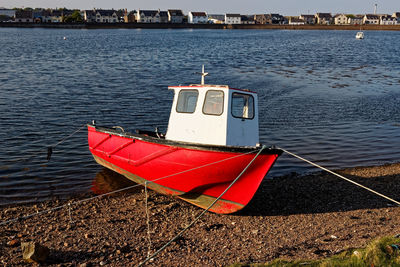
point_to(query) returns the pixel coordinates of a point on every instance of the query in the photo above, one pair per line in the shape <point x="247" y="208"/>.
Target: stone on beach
<point x="34" y="252"/>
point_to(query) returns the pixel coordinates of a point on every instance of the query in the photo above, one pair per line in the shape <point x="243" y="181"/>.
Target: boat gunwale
<point x="195" y="146"/>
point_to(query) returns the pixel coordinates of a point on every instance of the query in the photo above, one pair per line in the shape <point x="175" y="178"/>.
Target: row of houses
<point x="177" y="16"/>
<point x="345" y="19"/>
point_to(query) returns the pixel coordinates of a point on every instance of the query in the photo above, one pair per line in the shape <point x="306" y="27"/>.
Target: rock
<point x="333" y="237"/>
<point x="102" y="263"/>
<point x="34" y="252"/>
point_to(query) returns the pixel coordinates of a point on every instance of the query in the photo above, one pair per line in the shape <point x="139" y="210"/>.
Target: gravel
<point x="291" y="217"/>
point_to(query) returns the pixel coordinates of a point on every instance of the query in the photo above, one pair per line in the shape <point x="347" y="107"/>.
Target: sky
<point x="283" y="7"/>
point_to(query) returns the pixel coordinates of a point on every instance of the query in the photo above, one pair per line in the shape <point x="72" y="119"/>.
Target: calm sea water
<point x="323" y="94"/>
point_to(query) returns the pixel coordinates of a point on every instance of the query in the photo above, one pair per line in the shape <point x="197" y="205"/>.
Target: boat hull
<point x="198" y="174"/>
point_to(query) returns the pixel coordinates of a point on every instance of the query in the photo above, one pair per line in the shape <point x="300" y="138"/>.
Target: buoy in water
<point x="65" y="38"/>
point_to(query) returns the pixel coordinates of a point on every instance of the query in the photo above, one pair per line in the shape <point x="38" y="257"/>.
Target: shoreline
<point x="309" y="216"/>
<point x="198" y="26"/>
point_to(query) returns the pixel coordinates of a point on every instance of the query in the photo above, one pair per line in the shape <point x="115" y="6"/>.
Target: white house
<point x="388" y="20"/>
<point x="296" y="21"/>
<point x="23" y="16"/>
<point x="371" y="19"/>
<point x="341" y="19"/>
<point x="197" y="17"/>
<point x="147" y="16"/>
<point x="233" y="19"/>
<point x="175" y="16"/>
<point x="355" y="20"/>
<point x="106" y="16"/>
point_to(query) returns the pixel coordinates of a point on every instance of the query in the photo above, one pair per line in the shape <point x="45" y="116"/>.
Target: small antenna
<point x="203" y="74"/>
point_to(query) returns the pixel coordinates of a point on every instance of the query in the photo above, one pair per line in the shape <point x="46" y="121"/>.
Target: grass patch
<point x="384" y="251"/>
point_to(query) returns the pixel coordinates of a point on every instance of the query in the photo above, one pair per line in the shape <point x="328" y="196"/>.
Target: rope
<point x="50" y="148"/>
<point x="201" y="214"/>
<point x="65" y="138"/>
<point x="342" y="177"/>
<point x="120" y="190"/>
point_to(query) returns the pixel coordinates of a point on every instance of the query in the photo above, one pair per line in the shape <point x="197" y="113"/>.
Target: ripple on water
<point x="334" y="102"/>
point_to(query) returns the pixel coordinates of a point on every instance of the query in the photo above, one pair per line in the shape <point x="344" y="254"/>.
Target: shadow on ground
<point x="321" y="192"/>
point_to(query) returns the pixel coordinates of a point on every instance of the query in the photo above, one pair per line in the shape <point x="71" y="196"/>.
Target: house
<point x="262" y="18"/>
<point x="130" y="17"/>
<point x="308" y="19"/>
<point x="106" y="16"/>
<point x="42" y="16"/>
<point x="175" y="16"/>
<point x="56" y="16"/>
<point x="296" y="21"/>
<point x="355" y="19"/>
<point x="7" y="14"/>
<point x="197" y="17"/>
<point x="216" y="18"/>
<point x="148" y="16"/>
<point x="233" y="19"/>
<point x="276" y="19"/>
<point x="387" y="20"/>
<point x="396" y="15"/>
<point x="23" y="16"/>
<point x="246" y="19"/>
<point x="163" y="16"/>
<point x="89" y="16"/>
<point x="324" y="18"/>
<point x="341" y="19"/>
<point x="371" y="19"/>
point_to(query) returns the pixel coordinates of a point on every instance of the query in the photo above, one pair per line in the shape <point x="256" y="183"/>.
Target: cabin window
<point x="242" y="106"/>
<point x="214" y="103"/>
<point x="187" y="101"/>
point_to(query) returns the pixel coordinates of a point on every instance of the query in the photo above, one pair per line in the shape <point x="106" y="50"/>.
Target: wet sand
<point x="292" y="217"/>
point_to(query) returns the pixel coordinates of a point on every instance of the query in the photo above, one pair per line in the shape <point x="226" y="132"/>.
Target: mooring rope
<point x="50" y="148"/>
<point x="341" y="176"/>
<point x="122" y="189"/>
<point x="202" y="213"/>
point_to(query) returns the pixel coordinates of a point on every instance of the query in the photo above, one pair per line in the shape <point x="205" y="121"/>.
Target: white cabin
<point x="214" y="115"/>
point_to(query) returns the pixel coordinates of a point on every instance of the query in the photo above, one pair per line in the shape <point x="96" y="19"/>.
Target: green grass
<point x="379" y="252"/>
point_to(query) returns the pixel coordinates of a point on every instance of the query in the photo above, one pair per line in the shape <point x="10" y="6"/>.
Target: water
<point x="323" y="94"/>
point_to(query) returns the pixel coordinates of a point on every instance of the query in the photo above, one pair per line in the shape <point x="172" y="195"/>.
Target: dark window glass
<point x="242" y="106"/>
<point x="187" y="101"/>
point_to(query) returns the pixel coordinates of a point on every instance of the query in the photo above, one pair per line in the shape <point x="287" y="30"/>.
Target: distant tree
<point x="74" y="17"/>
<point x="5" y="18"/>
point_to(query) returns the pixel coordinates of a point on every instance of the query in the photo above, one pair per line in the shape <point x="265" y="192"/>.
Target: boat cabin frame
<point x="214" y="115"/>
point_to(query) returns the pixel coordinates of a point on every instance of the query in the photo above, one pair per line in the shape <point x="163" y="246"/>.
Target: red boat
<point x="212" y="137"/>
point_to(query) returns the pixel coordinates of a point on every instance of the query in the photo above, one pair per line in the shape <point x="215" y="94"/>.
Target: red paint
<point x="152" y="161"/>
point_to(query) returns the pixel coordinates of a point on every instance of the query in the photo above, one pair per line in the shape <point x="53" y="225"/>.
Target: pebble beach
<point x="310" y="216"/>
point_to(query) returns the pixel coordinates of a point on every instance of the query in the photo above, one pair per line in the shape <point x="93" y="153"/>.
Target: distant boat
<point x="360" y="35"/>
